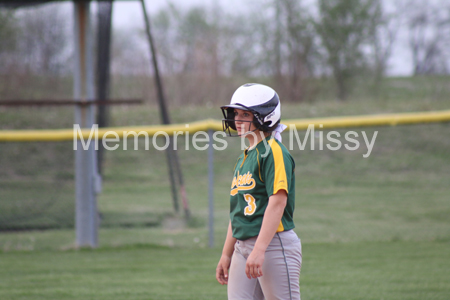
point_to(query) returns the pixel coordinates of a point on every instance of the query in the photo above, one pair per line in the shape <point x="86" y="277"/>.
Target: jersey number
<point x="251" y="207"/>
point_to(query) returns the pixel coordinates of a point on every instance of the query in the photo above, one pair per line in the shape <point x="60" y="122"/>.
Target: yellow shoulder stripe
<point x="280" y="179"/>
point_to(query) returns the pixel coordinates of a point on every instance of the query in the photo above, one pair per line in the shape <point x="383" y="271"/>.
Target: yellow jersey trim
<point x="280" y="227"/>
<point x="280" y="179"/>
<point x="243" y="161"/>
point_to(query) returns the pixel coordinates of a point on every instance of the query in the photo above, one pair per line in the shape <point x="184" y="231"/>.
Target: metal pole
<point x="159" y="87"/>
<point x="211" y="189"/>
<point x="103" y="65"/>
<point x="86" y="180"/>
<point x="170" y="165"/>
<point x="172" y="157"/>
<point x="163" y="109"/>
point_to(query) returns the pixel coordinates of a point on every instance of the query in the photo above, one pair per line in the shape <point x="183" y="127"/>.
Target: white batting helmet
<point x="257" y="98"/>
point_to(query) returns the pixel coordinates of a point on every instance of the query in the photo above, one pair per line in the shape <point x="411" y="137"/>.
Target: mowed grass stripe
<point x="382" y="270"/>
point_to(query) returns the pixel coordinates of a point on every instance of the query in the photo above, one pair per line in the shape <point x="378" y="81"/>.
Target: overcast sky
<point x="128" y="14"/>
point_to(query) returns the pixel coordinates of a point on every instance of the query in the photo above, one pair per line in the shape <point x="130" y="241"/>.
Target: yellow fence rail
<point x="47" y="135"/>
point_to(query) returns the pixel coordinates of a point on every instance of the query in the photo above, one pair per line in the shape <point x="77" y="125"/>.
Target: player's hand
<point x="253" y="267"/>
<point x="222" y="269"/>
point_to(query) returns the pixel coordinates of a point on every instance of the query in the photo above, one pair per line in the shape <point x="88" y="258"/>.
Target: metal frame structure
<point x="88" y="180"/>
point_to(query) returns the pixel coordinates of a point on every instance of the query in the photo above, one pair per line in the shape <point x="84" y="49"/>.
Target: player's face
<point x="244" y="121"/>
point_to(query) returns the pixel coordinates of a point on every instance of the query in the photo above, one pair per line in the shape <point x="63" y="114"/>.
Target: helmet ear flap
<point x="272" y="119"/>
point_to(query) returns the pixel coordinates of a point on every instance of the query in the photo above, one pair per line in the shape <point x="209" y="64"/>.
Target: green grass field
<point x="371" y="228"/>
<point x="368" y="270"/>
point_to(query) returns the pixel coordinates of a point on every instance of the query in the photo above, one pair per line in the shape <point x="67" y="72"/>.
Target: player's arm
<point x="225" y="259"/>
<point x="271" y="221"/>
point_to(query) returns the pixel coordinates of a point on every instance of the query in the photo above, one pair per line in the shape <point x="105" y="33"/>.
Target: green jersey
<point x="259" y="173"/>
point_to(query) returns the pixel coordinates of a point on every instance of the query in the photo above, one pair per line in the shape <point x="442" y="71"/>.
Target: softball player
<point x="261" y="257"/>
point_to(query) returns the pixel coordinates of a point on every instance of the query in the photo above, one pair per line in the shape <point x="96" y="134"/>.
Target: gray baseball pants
<point x="281" y="269"/>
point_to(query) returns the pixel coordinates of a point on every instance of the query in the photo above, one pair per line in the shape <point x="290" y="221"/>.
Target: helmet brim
<point x="237" y="106"/>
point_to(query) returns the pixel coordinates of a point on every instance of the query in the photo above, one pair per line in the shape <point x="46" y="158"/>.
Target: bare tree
<point x="205" y="44"/>
<point x="239" y="46"/>
<point x="301" y="46"/>
<point x="344" y="27"/>
<point x="43" y="44"/>
<point x="8" y="38"/>
<point x="283" y="47"/>
<point x="8" y="30"/>
<point x="383" y="33"/>
<point x="128" y="56"/>
<point x="189" y="46"/>
<point x="187" y="40"/>
<point x="429" y="36"/>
